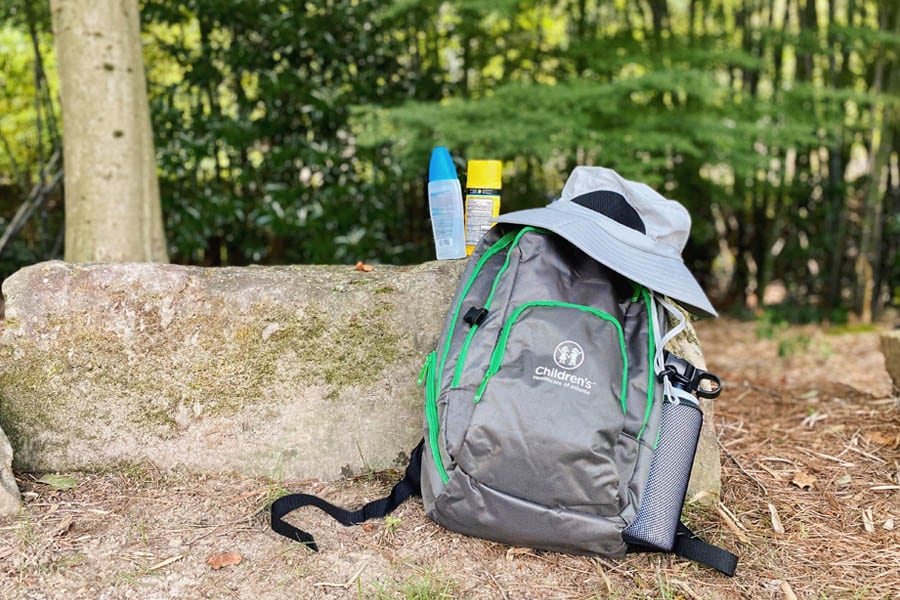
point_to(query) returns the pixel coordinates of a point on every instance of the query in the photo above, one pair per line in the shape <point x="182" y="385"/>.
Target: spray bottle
<point x="446" y="206"/>
<point x="483" y="183"/>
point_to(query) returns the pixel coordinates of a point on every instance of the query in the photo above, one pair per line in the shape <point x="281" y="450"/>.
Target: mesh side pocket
<point x="667" y="483"/>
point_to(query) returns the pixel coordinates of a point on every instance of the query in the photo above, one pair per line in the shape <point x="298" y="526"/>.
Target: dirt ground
<point x="810" y="440"/>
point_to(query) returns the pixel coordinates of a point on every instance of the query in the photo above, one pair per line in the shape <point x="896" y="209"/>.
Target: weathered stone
<point x="890" y="348"/>
<point x="284" y="372"/>
<point x="10" y="500"/>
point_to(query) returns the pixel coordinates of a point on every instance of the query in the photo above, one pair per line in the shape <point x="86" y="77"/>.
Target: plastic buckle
<point x="475" y="316"/>
<point x="686" y="376"/>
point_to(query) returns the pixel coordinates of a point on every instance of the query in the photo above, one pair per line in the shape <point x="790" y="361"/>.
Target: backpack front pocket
<point x="551" y="408"/>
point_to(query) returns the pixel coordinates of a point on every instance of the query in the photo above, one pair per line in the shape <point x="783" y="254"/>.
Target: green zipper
<point x="651" y="352"/>
<point x="457" y="374"/>
<point x="431" y="413"/>
<point x="431" y="376"/>
<point x="500" y="348"/>
<point x="502" y="243"/>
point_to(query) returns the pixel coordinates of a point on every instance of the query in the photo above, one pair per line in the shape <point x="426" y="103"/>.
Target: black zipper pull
<point x="475" y="316"/>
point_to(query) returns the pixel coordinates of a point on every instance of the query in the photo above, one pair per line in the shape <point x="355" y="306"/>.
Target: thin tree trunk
<point x="886" y="78"/>
<point x="113" y="210"/>
<point x="581" y="26"/>
<point x="885" y="277"/>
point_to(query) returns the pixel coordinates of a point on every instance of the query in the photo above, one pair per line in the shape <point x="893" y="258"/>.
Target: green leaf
<point x="59" y="483"/>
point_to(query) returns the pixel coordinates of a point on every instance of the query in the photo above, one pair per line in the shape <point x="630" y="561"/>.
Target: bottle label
<point x="479" y="212"/>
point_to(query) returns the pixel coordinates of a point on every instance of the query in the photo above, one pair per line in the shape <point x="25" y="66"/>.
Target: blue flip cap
<point x="441" y="165"/>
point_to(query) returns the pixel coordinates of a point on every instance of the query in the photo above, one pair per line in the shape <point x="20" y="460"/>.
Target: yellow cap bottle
<point x="484" y="179"/>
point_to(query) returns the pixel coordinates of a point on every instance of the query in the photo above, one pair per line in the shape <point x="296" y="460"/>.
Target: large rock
<point x="284" y="372"/>
<point x="10" y="500"/>
<point x="890" y="348"/>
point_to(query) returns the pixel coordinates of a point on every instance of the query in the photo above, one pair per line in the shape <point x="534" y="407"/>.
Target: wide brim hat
<point x="627" y="226"/>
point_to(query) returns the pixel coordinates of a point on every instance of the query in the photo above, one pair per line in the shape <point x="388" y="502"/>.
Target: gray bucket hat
<point x="626" y="226"/>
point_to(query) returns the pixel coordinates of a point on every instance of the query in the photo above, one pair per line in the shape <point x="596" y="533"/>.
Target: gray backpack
<point x="541" y="405"/>
<point x="553" y="418"/>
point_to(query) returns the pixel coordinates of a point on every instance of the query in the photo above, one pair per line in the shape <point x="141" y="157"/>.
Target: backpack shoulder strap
<point x="403" y="489"/>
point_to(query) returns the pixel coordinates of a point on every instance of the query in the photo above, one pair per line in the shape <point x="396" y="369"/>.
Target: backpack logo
<point x="568" y="355"/>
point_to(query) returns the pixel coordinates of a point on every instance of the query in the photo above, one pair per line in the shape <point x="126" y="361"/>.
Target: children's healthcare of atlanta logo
<point x="568" y="355"/>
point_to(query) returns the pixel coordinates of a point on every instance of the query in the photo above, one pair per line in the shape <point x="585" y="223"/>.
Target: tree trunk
<point x="885" y="78"/>
<point x="113" y="210"/>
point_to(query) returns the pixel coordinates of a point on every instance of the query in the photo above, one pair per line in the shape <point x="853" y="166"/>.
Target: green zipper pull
<point x="429" y="361"/>
<point x="496" y="356"/>
<point x="638" y="288"/>
<point x="481" y="387"/>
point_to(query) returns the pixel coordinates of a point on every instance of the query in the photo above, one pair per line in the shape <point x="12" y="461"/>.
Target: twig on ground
<point x="497" y="584"/>
<point x="733" y="524"/>
<point x="742" y="469"/>
<point x="346" y="585"/>
<point x="839" y="461"/>
<point x="602" y="572"/>
<point x="765" y="390"/>
<point x="687" y="589"/>
<point x="867" y="455"/>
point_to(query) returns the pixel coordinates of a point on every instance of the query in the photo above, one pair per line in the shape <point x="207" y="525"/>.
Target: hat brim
<point x="628" y="252"/>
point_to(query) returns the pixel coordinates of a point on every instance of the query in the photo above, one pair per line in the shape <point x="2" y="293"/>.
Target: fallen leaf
<point x="64" y="527"/>
<point x="868" y="520"/>
<point x="704" y="497"/>
<point x="361" y="266"/>
<point x="804" y="480"/>
<point x="224" y="559"/>
<point x="787" y="591"/>
<point x="515" y="551"/>
<point x="843" y="480"/>
<point x="776" y="520"/>
<point x="59" y="483"/>
<point x="882" y="439"/>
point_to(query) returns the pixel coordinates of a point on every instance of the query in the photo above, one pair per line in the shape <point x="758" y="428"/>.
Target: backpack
<point x="554" y="418"/>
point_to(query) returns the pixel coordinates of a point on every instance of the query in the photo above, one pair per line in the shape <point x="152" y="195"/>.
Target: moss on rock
<point x="132" y="361"/>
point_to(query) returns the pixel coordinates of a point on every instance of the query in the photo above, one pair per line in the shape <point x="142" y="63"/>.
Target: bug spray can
<point x="483" y="183"/>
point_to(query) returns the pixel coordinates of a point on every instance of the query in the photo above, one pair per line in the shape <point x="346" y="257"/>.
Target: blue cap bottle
<point x="445" y="205"/>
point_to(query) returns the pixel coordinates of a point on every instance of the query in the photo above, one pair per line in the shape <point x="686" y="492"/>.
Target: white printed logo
<point x="568" y="355"/>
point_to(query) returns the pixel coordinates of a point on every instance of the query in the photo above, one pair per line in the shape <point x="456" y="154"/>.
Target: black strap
<point x="688" y="545"/>
<point x="406" y="487"/>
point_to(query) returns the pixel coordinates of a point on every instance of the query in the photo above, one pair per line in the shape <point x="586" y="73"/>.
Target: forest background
<point x="299" y="132"/>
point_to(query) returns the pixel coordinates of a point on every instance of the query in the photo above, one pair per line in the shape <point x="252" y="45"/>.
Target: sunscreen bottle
<point x="445" y="206"/>
<point x="483" y="183"/>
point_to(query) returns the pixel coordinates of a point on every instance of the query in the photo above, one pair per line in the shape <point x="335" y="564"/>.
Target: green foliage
<point x="794" y="344"/>
<point x="300" y="132"/>
<point x="428" y="586"/>
<point x="60" y="483"/>
<point x="257" y="160"/>
<point x="29" y="132"/>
